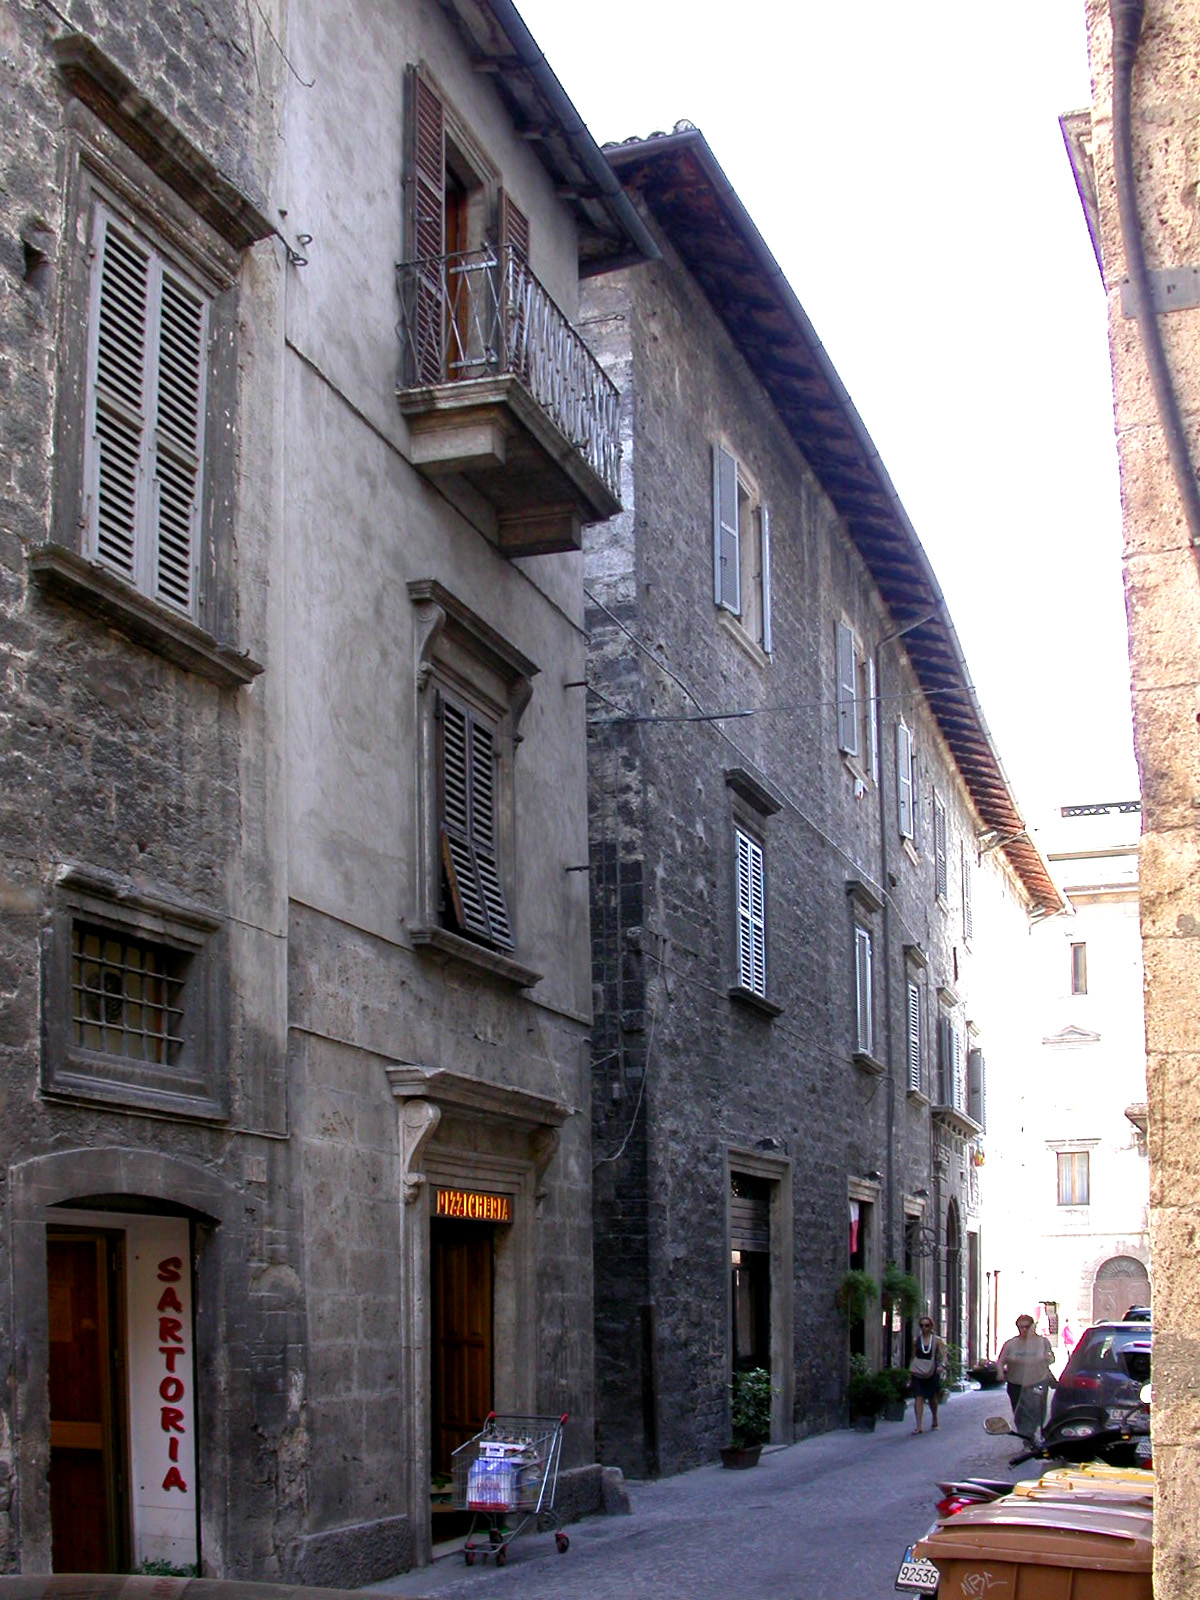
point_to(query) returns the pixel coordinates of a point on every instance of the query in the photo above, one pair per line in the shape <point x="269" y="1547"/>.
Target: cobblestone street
<point x="825" y="1519"/>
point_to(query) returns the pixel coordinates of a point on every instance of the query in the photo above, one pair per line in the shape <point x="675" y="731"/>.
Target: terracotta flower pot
<point x="741" y="1455"/>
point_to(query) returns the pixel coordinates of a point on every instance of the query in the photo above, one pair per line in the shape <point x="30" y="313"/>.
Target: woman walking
<point x="928" y="1371"/>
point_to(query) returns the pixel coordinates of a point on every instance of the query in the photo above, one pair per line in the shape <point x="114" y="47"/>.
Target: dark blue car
<point x="1104" y="1378"/>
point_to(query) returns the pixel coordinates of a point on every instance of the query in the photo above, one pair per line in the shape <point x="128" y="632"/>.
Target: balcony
<point x="502" y="395"/>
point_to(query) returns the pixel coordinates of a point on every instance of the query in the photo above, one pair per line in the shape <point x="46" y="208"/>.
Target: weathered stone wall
<point x="1162" y="593"/>
<point x="114" y="760"/>
<point x="681" y="1072"/>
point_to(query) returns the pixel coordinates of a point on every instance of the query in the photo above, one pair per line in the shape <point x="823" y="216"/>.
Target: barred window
<point x="135" y="999"/>
<point x="127" y="995"/>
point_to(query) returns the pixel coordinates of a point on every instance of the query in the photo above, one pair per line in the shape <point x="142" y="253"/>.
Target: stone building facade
<point x="294" y="943"/>
<point x="1135" y="155"/>
<point x="809" y="876"/>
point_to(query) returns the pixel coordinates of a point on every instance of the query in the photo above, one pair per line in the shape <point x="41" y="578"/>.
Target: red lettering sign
<point x="174" y="1480"/>
<point x="170" y="1301"/>
<point x="172" y="1420"/>
<point x="170" y="1330"/>
<point x="170" y="1270"/>
<point x="171" y="1389"/>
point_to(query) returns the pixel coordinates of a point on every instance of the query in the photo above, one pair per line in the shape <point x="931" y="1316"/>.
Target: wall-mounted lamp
<point x="873" y="1177"/>
<point x="920" y="1194"/>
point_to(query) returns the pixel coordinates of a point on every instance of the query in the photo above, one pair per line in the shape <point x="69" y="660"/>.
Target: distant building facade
<point x="803" y="851"/>
<point x="1068" y="1184"/>
<point x="294" y="947"/>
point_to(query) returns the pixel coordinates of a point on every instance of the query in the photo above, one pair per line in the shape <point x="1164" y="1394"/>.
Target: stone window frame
<point x="194" y="1087"/>
<point x="460" y="655"/>
<point x="124" y="156"/>
<point x="752" y="802"/>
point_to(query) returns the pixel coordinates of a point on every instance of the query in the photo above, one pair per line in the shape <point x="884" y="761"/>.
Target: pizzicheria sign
<point x="468" y="1205"/>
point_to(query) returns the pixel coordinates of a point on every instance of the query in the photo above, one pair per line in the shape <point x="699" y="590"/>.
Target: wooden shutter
<point x="939" y="849"/>
<point x="967" y="908"/>
<point x="904" y="783"/>
<point x="914" y="1037"/>
<point x="977" y="1088"/>
<point x="751" y="908"/>
<point x="146" y="400"/>
<point x="179" y="439"/>
<point x="727" y="576"/>
<point x="863" y="989"/>
<point x="847" y="690"/>
<point x="427" y="223"/>
<point x="514" y="227"/>
<point x="468" y="799"/>
<point x="945" y="1094"/>
<point x="764" y="523"/>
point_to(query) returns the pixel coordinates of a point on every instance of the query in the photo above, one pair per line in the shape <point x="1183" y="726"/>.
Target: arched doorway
<point x="953" y="1326"/>
<point x="1121" y="1282"/>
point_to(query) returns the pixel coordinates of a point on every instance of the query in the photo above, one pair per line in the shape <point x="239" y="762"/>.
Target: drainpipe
<point x="1127" y="17"/>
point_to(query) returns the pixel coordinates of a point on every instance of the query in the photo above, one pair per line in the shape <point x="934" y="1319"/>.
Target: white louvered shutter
<point x="940" y="875"/>
<point x="764" y="523"/>
<point x="146" y="402"/>
<point x="727" y="576"/>
<point x="960" y="1095"/>
<point x="752" y="925"/>
<point x="914" y="1037"/>
<point x="968" y="909"/>
<point x="847" y="691"/>
<point x="865" y="999"/>
<point x="872" y="710"/>
<point x="904" y="783"/>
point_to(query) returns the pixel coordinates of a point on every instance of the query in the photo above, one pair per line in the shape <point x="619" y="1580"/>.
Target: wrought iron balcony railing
<point x="482" y="313"/>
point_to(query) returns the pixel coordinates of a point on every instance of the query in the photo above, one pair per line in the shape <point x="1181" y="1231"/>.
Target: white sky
<point x="904" y="163"/>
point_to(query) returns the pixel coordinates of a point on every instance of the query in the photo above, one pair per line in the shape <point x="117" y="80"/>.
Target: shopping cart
<point x="507" y="1475"/>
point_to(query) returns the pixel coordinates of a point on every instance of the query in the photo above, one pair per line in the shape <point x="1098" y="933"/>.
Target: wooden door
<point x="461" y="1307"/>
<point x="87" y="1516"/>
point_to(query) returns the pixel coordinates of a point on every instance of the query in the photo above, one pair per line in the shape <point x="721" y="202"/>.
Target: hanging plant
<point x="856" y="1294"/>
<point x="901" y="1291"/>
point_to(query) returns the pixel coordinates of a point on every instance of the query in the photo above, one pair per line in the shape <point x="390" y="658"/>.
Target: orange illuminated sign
<point x="469" y="1206"/>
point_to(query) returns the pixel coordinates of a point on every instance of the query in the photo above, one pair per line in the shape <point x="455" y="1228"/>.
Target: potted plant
<point x="952" y="1379"/>
<point x="856" y="1294"/>
<point x="749" y="1417"/>
<point x="896" y="1382"/>
<point x="867" y="1394"/>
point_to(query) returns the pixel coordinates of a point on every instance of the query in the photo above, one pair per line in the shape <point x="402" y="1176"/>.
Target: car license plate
<point x="919" y="1577"/>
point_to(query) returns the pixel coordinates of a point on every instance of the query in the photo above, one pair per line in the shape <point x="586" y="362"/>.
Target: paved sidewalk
<point x="824" y="1519"/>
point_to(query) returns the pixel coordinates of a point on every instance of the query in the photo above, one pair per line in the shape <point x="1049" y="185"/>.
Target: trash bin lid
<point x="1067" y="1484"/>
<point x="1098" y="1536"/>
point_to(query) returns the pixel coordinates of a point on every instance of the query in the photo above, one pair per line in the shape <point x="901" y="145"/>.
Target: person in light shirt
<point x="1025" y="1360"/>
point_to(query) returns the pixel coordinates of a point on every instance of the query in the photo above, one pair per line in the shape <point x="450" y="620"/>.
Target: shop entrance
<point x="89" y="1514"/>
<point x="461" y="1300"/>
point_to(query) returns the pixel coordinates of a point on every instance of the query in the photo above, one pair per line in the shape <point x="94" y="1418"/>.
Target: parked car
<point x="1104" y="1377"/>
<point x="1137" y="1314"/>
